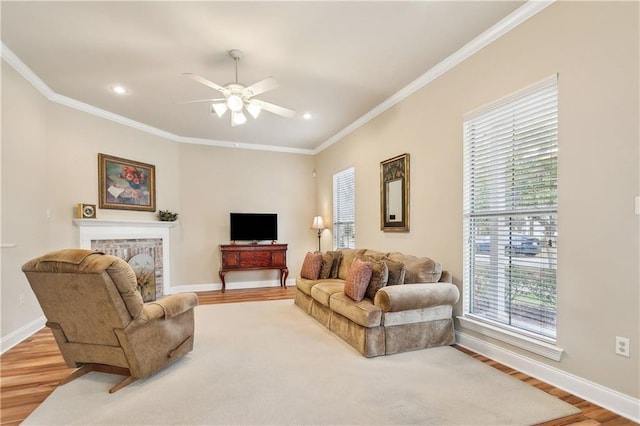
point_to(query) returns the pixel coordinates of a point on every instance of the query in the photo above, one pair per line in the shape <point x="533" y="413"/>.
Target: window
<point x="510" y="212"/>
<point x="344" y="209"/>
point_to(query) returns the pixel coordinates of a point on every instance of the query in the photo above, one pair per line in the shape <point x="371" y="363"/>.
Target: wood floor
<point x="31" y="370"/>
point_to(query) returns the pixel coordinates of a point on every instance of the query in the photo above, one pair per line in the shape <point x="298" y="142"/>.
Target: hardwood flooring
<point x="31" y="370"/>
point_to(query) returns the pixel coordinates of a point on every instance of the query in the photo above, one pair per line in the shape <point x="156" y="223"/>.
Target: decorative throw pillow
<point x="379" y="277"/>
<point x="358" y="279"/>
<point x="329" y="267"/>
<point x="347" y="260"/>
<point x="311" y="266"/>
<point x="327" y="264"/>
<point x="396" y="271"/>
<point x="337" y="260"/>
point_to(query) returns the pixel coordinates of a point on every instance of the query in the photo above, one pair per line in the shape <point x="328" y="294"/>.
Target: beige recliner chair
<point x="99" y="320"/>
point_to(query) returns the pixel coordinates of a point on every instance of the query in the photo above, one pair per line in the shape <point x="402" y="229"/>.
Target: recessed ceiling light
<point x="119" y="90"/>
<point x="307" y="116"/>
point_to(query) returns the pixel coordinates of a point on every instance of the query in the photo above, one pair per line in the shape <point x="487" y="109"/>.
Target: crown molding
<point x="12" y="59"/>
<point x="517" y="17"/>
<point x="522" y="14"/>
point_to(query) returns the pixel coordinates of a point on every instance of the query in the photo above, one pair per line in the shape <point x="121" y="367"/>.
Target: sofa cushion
<point x="379" y="277"/>
<point x="348" y="255"/>
<point x="377" y="255"/>
<point x="418" y="269"/>
<point x="322" y="291"/>
<point x="304" y="285"/>
<point x="396" y="271"/>
<point x="364" y="312"/>
<point x="330" y="262"/>
<point x="358" y="279"/>
<point x="311" y="266"/>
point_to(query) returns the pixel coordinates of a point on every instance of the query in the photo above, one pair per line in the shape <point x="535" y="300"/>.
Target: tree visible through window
<point x="510" y="211"/>
<point x="344" y="209"/>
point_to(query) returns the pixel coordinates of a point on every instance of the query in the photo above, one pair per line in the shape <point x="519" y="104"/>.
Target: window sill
<point x="536" y="346"/>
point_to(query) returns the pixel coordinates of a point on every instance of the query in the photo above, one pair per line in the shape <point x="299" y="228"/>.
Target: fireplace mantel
<point x="123" y="223"/>
<point x="110" y="229"/>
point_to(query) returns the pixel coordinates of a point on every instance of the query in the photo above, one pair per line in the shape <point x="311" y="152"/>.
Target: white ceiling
<point x="335" y="60"/>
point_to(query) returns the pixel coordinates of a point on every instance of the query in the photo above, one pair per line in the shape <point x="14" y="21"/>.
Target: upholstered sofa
<point x="407" y="308"/>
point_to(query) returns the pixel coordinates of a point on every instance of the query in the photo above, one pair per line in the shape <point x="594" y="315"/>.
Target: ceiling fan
<point x="238" y="97"/>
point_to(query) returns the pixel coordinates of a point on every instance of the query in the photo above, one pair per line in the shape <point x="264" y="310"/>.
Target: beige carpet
<point x="269" y="363"/>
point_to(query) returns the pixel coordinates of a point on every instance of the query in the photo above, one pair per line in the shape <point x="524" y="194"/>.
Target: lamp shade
<point x="219" y="109"/>
<point x="317" y="223"/>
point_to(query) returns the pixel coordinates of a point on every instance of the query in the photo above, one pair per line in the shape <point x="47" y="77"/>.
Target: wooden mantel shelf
<point x="120" y="222"/>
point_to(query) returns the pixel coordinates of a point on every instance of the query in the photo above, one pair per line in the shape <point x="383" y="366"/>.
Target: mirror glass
<point x="394" y="201"/>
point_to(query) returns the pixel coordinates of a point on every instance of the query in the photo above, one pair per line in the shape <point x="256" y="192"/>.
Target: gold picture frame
<point x="394" y="194"/>
<point x="126" y="184"/>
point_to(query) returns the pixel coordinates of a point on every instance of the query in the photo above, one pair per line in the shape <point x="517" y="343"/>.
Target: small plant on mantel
<point x="167" y="216"/>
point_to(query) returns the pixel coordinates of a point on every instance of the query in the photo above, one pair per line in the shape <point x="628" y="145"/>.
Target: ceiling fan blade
<point x="207" y="83"/>
<point x="276" y="109"/>
<point x="201" y="100"/>
<point x="260" y="87"/>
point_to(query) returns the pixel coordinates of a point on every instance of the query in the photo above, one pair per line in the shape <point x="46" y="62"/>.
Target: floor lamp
<point x="318" y="224"/>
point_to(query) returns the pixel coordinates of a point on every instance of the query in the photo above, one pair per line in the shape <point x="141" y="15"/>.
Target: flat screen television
<point x="253" y="226"/>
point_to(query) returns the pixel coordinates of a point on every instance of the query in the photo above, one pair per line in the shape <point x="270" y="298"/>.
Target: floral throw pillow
<point x="311" y="266"/>
<point x="358" y="279"/>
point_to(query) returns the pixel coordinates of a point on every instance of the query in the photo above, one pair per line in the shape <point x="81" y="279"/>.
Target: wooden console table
<point x="248" y="257"/>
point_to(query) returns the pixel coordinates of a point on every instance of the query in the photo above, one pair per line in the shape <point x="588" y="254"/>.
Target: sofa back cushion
<point x="377" y="255"/>
<point x="357" y="280"/>
<point x="418" y="269"/>
<point x="347" y="259"/>
<point x="311" y="266"/>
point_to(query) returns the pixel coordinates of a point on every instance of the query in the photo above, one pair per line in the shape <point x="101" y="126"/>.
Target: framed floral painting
<point x="126" y="184"/>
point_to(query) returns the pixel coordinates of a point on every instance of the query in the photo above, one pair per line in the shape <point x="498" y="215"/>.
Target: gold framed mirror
<point x="394" y="194"/>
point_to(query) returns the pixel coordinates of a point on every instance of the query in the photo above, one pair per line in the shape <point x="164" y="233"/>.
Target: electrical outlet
<point x="622" y="346"/>
<point x="21" y="298"/>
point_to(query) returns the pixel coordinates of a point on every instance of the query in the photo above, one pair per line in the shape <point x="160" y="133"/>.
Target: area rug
<point x="257" y="363"/>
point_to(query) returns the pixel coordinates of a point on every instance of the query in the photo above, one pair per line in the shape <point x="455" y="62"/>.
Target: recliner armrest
<point x="405" y="297"/>
<point x="174" y="304"/>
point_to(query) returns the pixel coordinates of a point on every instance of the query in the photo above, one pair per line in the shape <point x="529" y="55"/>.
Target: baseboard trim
<point x="17" y="336"/>
<point x="230" y="286"/>
<point x="610" y="399"/>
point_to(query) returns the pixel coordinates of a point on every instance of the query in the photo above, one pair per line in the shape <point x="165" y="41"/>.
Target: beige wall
<point x="594" y="48"/>
<point x="49" y="164"/>
<point x="217" y="181"/>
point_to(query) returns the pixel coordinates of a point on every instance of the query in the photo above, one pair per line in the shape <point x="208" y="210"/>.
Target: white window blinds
<point x="510" y="211"/>
<point x="344" y="209"/>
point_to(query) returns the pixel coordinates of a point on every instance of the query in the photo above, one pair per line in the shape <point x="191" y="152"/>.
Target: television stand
<point x="250" y="257"/>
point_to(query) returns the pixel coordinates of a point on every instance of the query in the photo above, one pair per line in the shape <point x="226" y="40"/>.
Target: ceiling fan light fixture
<point x="238" y="118"/>
<point x="254" y="110"/>
<point x="234" y="102"/>
<point x="219" y="109"/>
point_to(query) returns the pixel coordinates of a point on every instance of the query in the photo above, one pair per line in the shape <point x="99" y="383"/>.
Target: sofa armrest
<point x="174" y="304"/>
<point x="405" y="297"/>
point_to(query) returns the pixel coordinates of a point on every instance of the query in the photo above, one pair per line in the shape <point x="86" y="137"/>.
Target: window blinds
<point x="344" y="225"/>
<point x="510" y="211"/>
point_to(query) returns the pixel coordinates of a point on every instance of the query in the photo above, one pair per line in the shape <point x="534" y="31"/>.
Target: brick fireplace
<point x="148" y="241"/>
